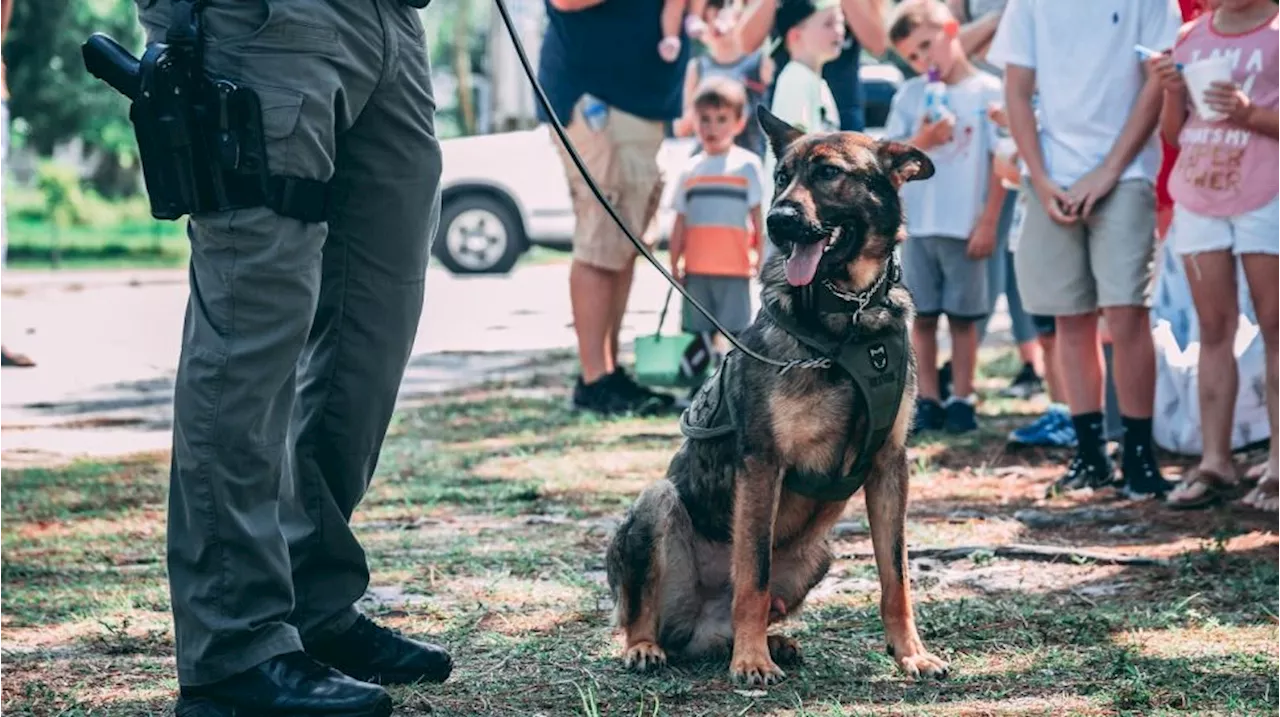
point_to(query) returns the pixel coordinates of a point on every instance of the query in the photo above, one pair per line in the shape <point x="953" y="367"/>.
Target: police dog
<point x="709" y="557"/>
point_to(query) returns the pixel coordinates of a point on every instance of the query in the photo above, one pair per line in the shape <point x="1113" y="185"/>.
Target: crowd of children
<point x="1047" y="159"/>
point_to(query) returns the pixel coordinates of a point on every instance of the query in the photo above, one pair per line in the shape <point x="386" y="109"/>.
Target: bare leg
<point x="964" y="355"/>
<point x="618" y="309"/>
<point x="1260" y="272"/>
<point x="1052" y="376"/>
<point x="924" y="337"/>
<point x="1135" y="359"/>
<point x="589" y="290"/>
<point x="1078" y="347"/>
<point x="1212" y="276"/>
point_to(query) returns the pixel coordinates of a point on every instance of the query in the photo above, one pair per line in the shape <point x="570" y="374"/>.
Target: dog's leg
<point x="755" y="505"/>
<point x="887" y="513"/>
<point x="634" y="566"/>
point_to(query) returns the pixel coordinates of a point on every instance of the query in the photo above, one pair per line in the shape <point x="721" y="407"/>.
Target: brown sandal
<point x="1199" y="488"/>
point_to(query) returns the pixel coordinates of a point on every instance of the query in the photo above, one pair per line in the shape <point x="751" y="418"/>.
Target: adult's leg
<point x="255" y="281"/>
<point x="384" y="213"/>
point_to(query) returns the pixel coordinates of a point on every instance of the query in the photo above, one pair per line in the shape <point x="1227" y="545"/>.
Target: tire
<point x="478" y="234"/>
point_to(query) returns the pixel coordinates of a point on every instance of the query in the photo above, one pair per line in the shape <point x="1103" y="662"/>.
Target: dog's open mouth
<point x="802" y="264"/>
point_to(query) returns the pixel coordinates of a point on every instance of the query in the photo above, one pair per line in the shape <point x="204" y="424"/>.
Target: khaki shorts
<point x="623" y="159"/>
<point x="1105" y="261"/>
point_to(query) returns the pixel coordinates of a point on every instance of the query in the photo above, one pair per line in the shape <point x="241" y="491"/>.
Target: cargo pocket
<point x="281" y="110"/>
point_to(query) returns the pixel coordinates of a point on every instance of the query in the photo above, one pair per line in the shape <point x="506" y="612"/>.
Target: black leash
<point x="582" y="168"/>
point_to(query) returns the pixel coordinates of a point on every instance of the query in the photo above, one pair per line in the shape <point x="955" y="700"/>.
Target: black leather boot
<point x="287" y="685"/>
<point x="370" y="652"/>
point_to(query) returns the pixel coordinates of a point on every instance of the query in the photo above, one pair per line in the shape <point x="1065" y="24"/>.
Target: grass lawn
<point x="486" y="528"/>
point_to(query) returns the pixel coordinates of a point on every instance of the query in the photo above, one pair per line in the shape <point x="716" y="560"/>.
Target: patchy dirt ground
<point x="486" y="528"/>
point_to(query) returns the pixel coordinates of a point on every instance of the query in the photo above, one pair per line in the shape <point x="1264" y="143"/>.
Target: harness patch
<point x="879" y="357"/>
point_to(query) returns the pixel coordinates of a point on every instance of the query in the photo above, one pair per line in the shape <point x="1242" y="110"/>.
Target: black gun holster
<point x="200" y="138"/>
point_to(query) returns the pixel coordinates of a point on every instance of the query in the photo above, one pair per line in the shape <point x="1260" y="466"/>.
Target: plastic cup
<point x="1199" y="75"/>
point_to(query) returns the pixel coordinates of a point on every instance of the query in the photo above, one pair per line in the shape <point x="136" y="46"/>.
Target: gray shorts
<point x="943" y="279"/>
<point x="1104" y="261"/>
<point x="728" y="298"/>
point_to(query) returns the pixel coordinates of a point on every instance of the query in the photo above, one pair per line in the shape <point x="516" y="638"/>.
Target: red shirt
<point x="1191" y="9"/>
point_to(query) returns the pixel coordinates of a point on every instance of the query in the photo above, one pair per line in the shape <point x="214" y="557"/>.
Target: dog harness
<point x="876" y="363"/>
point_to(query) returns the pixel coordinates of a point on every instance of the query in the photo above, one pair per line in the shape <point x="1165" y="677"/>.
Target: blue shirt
<point x="610" y="51"/>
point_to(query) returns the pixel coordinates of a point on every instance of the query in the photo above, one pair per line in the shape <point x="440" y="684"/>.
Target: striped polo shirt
<point x="715" y="195"/>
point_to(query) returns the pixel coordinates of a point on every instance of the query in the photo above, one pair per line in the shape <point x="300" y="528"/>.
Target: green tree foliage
<point x="50" y="89"/>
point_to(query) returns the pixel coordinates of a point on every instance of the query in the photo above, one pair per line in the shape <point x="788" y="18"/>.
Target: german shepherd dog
<point x="709" y="557"/>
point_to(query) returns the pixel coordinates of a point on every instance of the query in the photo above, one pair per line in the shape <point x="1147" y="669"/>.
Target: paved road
<point x="107" y="347"/>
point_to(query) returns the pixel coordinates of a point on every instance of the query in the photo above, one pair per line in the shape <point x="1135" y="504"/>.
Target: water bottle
<point x="936" y="106"/>
<point x="594" y="112"/>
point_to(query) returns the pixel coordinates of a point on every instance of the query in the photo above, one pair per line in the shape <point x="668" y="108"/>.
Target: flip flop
<point x="1199" y="488"/>
<point x="8" y="358"/>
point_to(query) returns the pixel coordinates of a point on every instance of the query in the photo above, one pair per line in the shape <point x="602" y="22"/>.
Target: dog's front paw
<point x="644" y="656"/>
<point x="784" y="650"/>
<point x="755" y="669"/>
<point x="923" y="664"/>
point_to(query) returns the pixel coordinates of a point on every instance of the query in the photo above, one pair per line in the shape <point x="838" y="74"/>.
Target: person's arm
<point x="675" y="247"/>
<point x="976" y="36"/>
<point x="1173" y="110"/>
<point x="756" y="23"/>
<point x="1230" y="100"/>
<point x="6" y="12"/>
<point x="684" y="125"/>
<point x="982" y="242"/>
<point x="1098" y="183"/>
<point x="866" y="19"/>
<point x="1019" y="85"/>
<point x="574" y="5"/>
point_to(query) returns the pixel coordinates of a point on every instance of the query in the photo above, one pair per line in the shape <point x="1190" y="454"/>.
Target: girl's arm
<point x="685" y="124"/>
<point x="1230" y="100"/>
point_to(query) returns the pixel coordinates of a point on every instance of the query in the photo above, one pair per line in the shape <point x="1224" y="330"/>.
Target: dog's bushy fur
<point x="708" y="557"/>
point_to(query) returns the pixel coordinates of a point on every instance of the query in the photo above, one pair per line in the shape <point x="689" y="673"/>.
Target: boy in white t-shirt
<point x="951" y="219"/>
<point x="812" y="34"/>
<point x="1088" y="237"/>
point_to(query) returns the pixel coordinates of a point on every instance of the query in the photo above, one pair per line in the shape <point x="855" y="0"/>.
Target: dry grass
<point x="486" y="529"/>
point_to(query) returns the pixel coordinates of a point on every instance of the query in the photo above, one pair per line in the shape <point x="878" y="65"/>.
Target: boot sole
<point x="202" y="707"/>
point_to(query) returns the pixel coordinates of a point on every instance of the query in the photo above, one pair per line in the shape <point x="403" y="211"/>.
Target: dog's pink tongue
<point x="803" y="263"/>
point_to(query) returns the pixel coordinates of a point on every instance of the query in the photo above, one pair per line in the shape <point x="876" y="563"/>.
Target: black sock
<point x="1089" y="437"/>
<point x="1137" y="434"/>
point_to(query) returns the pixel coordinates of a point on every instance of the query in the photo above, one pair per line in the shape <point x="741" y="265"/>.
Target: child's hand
<point x="1054" y="199"/>
<point x="996" y="113"/>
<point x="1091" y="189"/>
<point x="982" y="242"/>
<point x="1229" y="99"/>
<point x="1165" y="70"/>
<point x="934" y="134"/>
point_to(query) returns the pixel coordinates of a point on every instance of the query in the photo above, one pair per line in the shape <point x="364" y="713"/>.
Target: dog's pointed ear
<point x="903" y="163"/>
<point x="780" y="134"/>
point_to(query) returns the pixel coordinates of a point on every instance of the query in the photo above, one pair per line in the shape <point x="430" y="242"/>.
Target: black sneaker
<point x="1083" y="474"/>
<point x="1142" y="478"/>
<point x="370" y="652"/>
<point x="944" y="382"/>
<point x="961" y="417"/>
<point x="930" y="416"/>
<point x="654" y="401"/>
<point x="1025" y="385"/>
<point x="289" y="684"/>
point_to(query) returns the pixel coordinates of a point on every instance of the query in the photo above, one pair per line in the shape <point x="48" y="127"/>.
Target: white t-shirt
<point x="1087" y="73"/>
<point x="949" y="203"/>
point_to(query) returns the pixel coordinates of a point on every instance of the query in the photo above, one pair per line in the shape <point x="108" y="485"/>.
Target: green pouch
<point x="665" y="360"/>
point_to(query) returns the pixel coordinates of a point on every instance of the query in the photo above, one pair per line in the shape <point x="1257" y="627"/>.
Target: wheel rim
<point x="476" y="239"/>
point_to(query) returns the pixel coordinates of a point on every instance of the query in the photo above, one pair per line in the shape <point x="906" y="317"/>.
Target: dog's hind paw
<point x="784" y="650"/>
<point x="644" y="656"/>
<point x="755" y="670"/>
<point x="922" y="665"/>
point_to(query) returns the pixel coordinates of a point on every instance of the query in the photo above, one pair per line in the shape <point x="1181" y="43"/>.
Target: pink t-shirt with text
<point x="1224" y="170"/>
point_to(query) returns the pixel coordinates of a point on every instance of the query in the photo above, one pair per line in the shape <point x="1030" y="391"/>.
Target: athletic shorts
<point x="728" y="298"/>
<point x="943" y="279"/>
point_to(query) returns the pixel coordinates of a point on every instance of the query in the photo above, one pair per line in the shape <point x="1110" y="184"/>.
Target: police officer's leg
<point x="255" y="279"/>
<point x="385" y="209"/>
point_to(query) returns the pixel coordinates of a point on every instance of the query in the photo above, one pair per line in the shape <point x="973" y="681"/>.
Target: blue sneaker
<point x="1052" y="430"/>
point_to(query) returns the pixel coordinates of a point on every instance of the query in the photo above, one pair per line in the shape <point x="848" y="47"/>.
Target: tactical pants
<point x="297" y="335"/>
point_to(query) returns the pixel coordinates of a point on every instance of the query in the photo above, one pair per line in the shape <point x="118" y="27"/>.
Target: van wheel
<point x="478" y="235"/>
